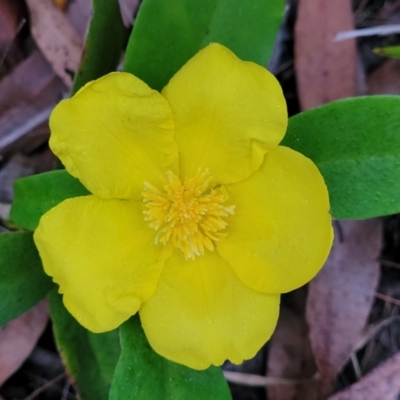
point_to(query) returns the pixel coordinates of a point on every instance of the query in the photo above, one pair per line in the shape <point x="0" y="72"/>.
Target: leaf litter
<point x="340" y="297"/>
<point x="19" y="337"/>
<point x="359" y="352"/>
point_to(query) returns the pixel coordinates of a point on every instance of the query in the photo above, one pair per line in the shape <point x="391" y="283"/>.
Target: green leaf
<point x="105" y="42"/>
<point x="168" y="33"/>
<point x="23" y="282"/>
<point x="390" y="51"/>
<point x="90" y="358"/>
<point x="107" y="350"/>
<point x="37" y="194"/>
<point x="356" y="145"/>
<point x="143" y="374"/>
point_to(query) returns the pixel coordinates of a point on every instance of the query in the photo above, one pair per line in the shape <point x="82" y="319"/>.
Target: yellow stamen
<point x="190" y="214"/>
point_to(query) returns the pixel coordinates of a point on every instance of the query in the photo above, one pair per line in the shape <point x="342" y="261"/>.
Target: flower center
<point x="190" y="214"/>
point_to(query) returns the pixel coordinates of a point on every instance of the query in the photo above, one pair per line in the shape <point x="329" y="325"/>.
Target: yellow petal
<point x="281" y="232"/>
<point x="228" y="113"/>
<point x="102" y="255"/>
<point x="114" y="134"/>
<point x="201" y="314"/>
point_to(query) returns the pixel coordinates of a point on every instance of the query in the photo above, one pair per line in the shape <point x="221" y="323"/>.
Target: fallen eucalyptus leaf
<point x="19" y="337"/>
<point x="381" y="384"/>
<point x="340" y="297"/>
<point x="57" y="40"/>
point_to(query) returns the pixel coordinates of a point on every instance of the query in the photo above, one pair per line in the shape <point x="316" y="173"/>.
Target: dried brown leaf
<point x="19" y="337"/>
<point x="79" y="13"/>
<point x="27" y="96"/>
<point x="54" y="35"/>
<point x="382" y="383"/>
<point x="340" y="297"/>
<point x="326" y="70"/>
<point x="290" y="357"/>
<point x="128" y="9"/>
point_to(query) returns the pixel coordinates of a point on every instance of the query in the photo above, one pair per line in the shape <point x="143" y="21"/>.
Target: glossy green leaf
<point x="89" y="358"/>
<point x="356" y="145"/>
<point x="36" y="194"/>
<point x="105" y="42"/>
<point x="390" y="51"/>
<point x="167" y="33"/>
<point x="22" y="280"/>
<point x="143" y="374"/>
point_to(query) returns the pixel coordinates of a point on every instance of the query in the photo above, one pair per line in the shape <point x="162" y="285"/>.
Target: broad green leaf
<point x="36" y="194"/>
<point x="106" y="348"/>
<point x="167" y="33"/>
<point x="90" y="358"/>
<point x="390" y="51"/>
<point x="105" y="42"/>
<point x="143" y="374"/>
<point x="356" y="145"/>
<point x="23" y="282"/>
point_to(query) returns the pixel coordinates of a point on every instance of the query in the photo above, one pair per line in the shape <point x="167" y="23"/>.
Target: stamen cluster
<point x="190" y="214"/>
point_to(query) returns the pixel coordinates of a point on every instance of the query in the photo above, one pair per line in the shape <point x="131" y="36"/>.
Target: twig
<point x="382" y="30"/>
<point x="356" y="365"/>
<point x="388" y="299"/>
<point x="259" y="380"/>
<point x="388" y="263"/>
<point x="374" y="330"/>
<point x="45" y="387"/>
<point x="65" y="393"/>
<point x="361" y="7"/>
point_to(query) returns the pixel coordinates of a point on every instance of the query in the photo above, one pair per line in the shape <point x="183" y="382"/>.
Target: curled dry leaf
<point x="341" y="296"/>
<point x="58" y="41"/>
<point x="290" y="356"/>
<point x="382" y="383"/>
<point x="19" y="337"/>
<point x="326" y="70"/>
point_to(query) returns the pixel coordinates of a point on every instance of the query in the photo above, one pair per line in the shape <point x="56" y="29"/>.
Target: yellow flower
<point x="198" y="220"/>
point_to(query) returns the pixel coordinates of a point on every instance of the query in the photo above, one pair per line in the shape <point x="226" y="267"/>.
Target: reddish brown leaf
<point x="56" y="38"/>
<point x="325" y="69"/>
<point x="290" y="356"/>
<point x="19" y="337"/>
<point x="340" y="297"/>
<point x="79" y="13"/>
<point x="382" y="383"/>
